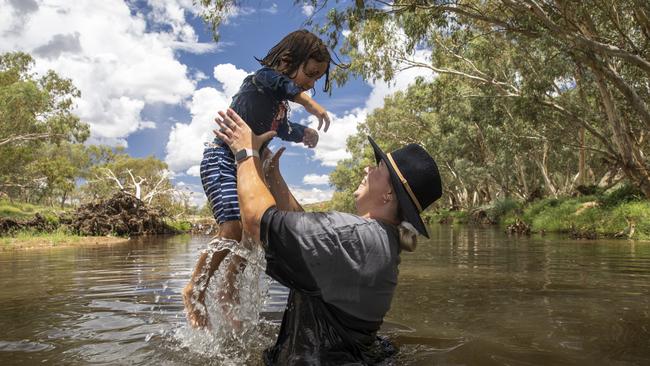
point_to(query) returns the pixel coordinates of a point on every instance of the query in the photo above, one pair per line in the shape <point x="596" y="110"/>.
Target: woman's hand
<point x="310" y="138"/>
<point x="271" y="164"/>
<point x="237" y="134"/>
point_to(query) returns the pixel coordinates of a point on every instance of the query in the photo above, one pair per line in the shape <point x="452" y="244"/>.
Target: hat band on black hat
<point x="405" y="183"/>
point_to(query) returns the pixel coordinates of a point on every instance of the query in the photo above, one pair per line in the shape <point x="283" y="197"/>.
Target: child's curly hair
<point x="295" y="49"/>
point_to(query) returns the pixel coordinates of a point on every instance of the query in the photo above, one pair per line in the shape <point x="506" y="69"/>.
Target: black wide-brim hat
<point x="415" y="178"/>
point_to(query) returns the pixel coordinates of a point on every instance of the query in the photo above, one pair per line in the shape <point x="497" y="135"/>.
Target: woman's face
<point x="372" y="188"/>
<point x="308" y="73"/>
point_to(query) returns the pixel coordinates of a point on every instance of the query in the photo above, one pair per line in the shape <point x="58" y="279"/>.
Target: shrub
<point x="623" y="194"/>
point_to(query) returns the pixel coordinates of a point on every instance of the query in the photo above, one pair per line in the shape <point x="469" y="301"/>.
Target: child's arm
<point x="296" y="132"/>
<point x="314" y="108"/>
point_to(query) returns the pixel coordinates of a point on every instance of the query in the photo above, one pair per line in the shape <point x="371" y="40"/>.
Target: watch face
<point x="241" y="154"/>
<point x="245" y="153"/>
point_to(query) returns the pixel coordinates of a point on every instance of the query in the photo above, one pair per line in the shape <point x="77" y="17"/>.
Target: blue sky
<point x="152" y="79"/>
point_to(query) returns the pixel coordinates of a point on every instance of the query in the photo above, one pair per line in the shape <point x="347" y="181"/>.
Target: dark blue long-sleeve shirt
<point x="259" y="99"/>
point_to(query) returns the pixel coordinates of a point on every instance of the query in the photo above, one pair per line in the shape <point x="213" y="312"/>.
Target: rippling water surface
<point x="466" y="297"/>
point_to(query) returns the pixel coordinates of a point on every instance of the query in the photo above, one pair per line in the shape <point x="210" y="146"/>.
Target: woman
<point x="341" y="268"/>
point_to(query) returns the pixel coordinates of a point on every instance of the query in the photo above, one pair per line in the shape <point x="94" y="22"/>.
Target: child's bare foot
<point x="197" y="313"/>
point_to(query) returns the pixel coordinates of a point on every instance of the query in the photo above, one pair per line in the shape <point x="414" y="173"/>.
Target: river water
<point x="468" y="296"/>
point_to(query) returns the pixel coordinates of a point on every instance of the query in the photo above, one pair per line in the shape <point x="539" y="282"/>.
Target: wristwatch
<point x="244" y="154"/>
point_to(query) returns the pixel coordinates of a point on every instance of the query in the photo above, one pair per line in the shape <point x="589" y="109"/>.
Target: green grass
<point x="26" y="211"/>
<point x="180" y="225"/>
<point x="600" y="215"/>
<point x="55" y="237"/>
<point x="446" y="215"/>
<point x="608" y="214"/>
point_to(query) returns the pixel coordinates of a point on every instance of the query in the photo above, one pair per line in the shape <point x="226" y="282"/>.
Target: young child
<point x="290" y="69"/>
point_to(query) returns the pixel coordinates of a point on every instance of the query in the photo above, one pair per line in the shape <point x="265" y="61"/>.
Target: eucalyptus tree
<point x="35" y="114"/>
<point x="586" y="64"/>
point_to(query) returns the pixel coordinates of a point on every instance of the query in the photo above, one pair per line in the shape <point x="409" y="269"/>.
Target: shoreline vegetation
<point x="107" y="222"/>
<point x="59" y="239"/>
<point x="619" y="213"/>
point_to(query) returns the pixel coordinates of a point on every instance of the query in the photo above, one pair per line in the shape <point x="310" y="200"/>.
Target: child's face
<point x="308" y="73"/>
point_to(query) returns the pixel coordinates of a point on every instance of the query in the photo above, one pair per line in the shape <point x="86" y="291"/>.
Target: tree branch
<point x="590" y="44"/>
<point x="28" y="137"/>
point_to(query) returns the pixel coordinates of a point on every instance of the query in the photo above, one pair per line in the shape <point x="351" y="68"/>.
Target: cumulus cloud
<point x="308" y="10"/>
<point x="331" y="144"/>
<point x="316" y="180"/>
<point x="58" y="44"/>
<point x="313" y="195"/>
<point x="118" y="60"/>
<point x="184" y="147"/>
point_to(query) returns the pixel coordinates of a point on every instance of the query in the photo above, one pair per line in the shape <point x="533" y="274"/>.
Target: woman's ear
<point x="388" y="196"/>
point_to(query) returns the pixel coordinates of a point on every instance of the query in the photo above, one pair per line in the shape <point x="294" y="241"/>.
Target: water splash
<point x="237" y="334"/>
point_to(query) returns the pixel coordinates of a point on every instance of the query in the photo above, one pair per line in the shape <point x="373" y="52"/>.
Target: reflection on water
<point x="467" y="297"/>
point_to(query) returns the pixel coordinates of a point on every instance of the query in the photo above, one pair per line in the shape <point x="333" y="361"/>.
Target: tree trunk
<point x="65" y="195"/>
<point x="629" y="157"/>
<point x="581" y="159"/>
<point x="544" y="170"/>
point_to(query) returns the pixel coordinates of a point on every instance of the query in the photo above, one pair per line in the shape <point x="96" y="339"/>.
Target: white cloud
<point x="308" y="10"/>
<point x="316" y="180"/>
<point x="185" y="145"/>
<point x="332" y="144"/>
<point x="306" y="196"/>
<point x="194" y="171"/>
<point x="230" y="78"/>
<point x="273" y="9"/>
<point x="118" y="63"/>
<point x="199" y="76"/>
<point x="147" y="124"/>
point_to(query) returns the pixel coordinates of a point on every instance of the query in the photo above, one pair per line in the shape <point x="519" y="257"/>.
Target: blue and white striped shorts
<point x="219" y="179"/>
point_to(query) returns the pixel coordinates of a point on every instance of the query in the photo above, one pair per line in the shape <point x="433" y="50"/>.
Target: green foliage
<point x="179" y="225"/>
<point x="56" y="237"/>
<point x="554" y="78"/>
<point x="22" y="211"/>
<point x="446" y="216"/>
<point x="557" y="216"/>
<point x="37" y="128"/>
<point x="585" y="215"/>
<point x="624" y="193"/>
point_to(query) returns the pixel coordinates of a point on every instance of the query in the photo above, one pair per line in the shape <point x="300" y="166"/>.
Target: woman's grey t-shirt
<point x="343" y="267"/>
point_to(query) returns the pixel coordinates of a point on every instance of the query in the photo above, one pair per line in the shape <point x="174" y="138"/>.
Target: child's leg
<point x="208" y="263"/>
<point x="228" y="293"/>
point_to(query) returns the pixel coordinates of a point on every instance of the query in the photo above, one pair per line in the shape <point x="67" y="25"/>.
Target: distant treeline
<point x="43" y="158"/>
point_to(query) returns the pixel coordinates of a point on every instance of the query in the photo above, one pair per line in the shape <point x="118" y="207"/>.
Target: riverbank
<point x="620" y="213"/>
<point x="59" y="239"/>
<point x="112" y="221"/>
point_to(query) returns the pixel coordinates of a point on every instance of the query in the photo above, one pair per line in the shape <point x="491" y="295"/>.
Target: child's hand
<point x="320" y="113"/>
<point x="310" y="137"/>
